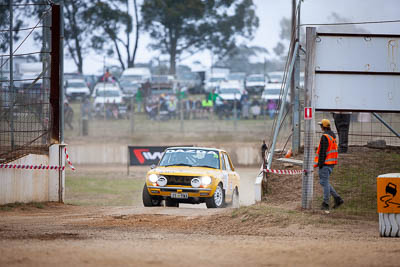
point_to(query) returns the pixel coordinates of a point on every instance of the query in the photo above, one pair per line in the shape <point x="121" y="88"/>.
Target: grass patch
<point x="22" y="206"/>
<point x="355" y="178"/>
<point x="102" y="191"/>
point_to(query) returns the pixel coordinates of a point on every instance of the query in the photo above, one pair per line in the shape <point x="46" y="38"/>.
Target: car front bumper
<point x="165" y="191"/>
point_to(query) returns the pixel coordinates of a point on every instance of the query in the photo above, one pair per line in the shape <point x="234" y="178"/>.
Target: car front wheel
<point x="218" y="199"/>
<point x="148" y="200"/>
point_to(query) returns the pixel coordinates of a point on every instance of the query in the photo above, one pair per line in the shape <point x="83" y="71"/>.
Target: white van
<point x="140" y="75"/>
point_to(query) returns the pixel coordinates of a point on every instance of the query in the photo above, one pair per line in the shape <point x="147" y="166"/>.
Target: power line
<point x="349" y="23"/>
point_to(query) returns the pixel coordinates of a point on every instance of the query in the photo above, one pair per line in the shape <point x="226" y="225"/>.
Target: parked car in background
<point x="230" y="90"/>
<point x="76" y="89"/>
<point x="72" y="75"/>
<point x="239" y="77"/>
<point x="192" y="175"/>
<point x="159" y="89"/>
<point x="275" y="77"/>
<point x="105" y="85"/>
<point x="90" y="81"/>
<point x="109" y="102"/>
<point x="273" y="91"/>
<point x="191" y="81"/>
<point x="213" y="82"/>
<point x="139" y="75"/>
<point x="129" y="88"/>
<point x="255" y="83"/>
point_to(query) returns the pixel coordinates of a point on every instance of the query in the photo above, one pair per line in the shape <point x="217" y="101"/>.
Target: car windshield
<point x="229" y="91"/>
<point x="76" y="84"/>
<point x="256" y="79"/>
<point x="133" y="77"/>
<point x="159" y="79"/>
<point x="190" y="157"/>
<point x="272" y="91"/>
<point x="107" y="93"/>
<point x="213" y="80"/>
<point x="128" y="83"/>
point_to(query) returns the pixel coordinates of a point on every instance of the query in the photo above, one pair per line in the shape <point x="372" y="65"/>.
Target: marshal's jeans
<point x="324" y="174"/>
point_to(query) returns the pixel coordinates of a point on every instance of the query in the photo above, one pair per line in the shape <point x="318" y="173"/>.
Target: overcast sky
<point x="270" y="12"/>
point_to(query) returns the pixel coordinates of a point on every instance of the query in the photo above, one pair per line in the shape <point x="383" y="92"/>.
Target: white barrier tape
<point x="292" y="172"/>
<point x="39" y="167"/>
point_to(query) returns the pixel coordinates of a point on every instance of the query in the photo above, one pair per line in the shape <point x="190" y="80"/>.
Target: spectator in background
<point x="172" y="103"/>
<point x="245" y="108"/>
<point x="107" y="77"/>
<point x="271" y="106"/>
<point x="86" y="109"/>
<point x="139" y="100"/>
<point x="342" y="123"/>
<point x="264" y="149"/>
<point x="255" y="109"/>
<point x="68" y="115"/>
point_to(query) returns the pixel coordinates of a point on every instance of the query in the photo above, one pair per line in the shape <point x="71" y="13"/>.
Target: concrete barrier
<point x="22" y="185"/>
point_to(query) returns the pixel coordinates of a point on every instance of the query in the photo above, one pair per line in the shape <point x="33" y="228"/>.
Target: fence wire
<point x="25" y="111"/>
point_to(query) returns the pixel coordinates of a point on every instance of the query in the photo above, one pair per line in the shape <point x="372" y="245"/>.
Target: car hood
<point x="189" y="171"/>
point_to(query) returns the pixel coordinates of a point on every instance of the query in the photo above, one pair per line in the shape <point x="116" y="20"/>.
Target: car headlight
<point x="196" y="182"/>
<point x="162" y="181"/>
<point x="206" y="180"/>
<point x="153" y="178"/>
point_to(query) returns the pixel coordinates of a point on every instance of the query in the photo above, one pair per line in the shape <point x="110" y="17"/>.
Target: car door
<point x="231" y="177"/>
<point x="225" y="173"/>
<point x="235" y="178"/>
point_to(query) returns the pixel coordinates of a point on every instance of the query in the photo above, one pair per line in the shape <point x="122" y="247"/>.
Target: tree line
<point x="177" y="28"/>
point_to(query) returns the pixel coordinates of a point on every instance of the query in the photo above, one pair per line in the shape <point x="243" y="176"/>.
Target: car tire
<point x="148" y="200"/>
<point x="171" y="203"/>
<point x="218" y="198"/>
<point x="235" y="199"/>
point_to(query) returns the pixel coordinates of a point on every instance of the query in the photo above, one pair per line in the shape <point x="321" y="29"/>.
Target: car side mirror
<point x="152" y="166"/>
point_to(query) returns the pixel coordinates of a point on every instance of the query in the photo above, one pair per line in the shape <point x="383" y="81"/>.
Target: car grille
<point x="179" y="180"/>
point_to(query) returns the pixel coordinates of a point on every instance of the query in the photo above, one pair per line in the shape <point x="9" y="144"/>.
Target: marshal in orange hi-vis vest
<point x="331" y="153"/>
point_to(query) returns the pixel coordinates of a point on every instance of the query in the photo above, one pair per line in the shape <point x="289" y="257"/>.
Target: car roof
<point x="195" y="147"/>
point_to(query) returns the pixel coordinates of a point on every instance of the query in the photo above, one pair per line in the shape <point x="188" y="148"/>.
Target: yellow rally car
<point x="192" y="175"/>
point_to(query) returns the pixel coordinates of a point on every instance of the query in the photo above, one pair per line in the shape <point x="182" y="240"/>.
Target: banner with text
<point x="145" y="155"/>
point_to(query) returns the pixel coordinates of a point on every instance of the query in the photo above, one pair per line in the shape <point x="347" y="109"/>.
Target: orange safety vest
<point x="331" y="152"/>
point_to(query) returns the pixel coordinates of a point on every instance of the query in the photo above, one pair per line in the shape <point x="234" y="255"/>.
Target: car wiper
<point x="205" y="166"/>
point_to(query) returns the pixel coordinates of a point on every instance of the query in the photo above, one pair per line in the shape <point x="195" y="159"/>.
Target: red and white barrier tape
<point x="39" y="167"/>
<point x="67" y="158"/>
<point x="292" y="172"/>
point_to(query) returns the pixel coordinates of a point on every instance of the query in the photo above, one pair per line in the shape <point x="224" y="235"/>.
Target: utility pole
<point x="295" y="81"/>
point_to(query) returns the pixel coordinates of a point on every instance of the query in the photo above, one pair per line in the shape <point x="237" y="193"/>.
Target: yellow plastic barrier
<point x="388" y="204"/>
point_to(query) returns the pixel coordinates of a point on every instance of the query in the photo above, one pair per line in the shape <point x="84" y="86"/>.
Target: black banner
<point x="145" y="155"/>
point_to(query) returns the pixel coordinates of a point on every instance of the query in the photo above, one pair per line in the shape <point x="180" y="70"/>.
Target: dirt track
<point x="91" y="236"/>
